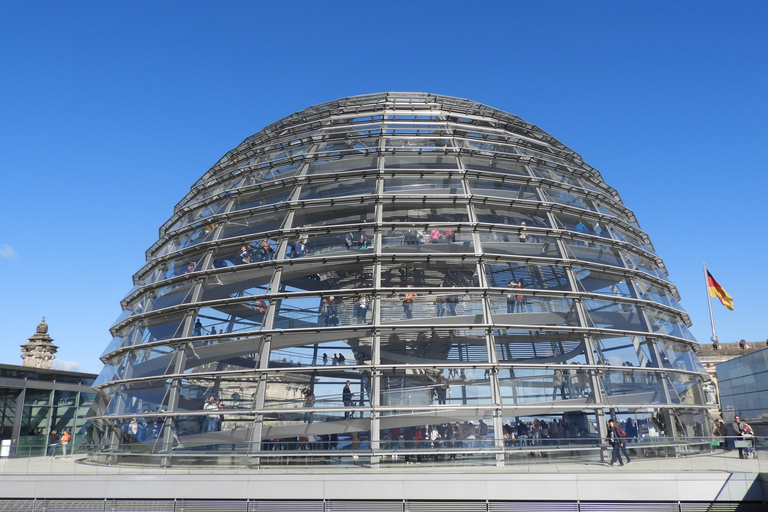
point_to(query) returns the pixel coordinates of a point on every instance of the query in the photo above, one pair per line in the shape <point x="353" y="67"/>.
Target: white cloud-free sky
<point x="112" y="110"/>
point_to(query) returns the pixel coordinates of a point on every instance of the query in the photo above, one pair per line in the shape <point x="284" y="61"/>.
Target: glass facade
<point x="743" y="389"/>
<point x="33" y="401"/>
<point x="456" y="264"/>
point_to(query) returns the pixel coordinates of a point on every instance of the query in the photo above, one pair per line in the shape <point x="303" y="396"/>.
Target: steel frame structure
<point x="393" y="229"/>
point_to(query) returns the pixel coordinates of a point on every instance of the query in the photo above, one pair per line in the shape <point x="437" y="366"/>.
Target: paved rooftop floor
<point x="720" y="476"/>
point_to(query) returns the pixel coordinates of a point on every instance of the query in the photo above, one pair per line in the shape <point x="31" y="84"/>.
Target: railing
<point x="587" y="454"/>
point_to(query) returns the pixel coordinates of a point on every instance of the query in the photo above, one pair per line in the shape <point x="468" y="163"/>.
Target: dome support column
<point x="257" y="428"/>
<point x="169" y="425"/>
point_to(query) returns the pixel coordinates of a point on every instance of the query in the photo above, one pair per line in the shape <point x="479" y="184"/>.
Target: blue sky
<point x="112" y="110"/>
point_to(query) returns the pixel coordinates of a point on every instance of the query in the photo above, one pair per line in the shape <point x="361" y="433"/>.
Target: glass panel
<point x="311" y="392"/>
<point x="341" y="188"/>
<point x="143" y="362"/>
<point x="604" y="283"/>
<point x="231" y="354"/>
<point x="680" y="356"/>
<point x="324" y="166"/>
<point x="657" y="293"/>
<point x="613" y="315"/>
<point x="427" y="239"/>
<point x="425" y="161"/>
<point x="289" y="432"/>
<point x="337" y="243"/>
<point x="423" y="186"/>
<point x="177" y="267"/>
<point x="164" y="297"/>
<point x="105" y="375"/>
<point x="567" y="198"/>
<point x="529" y="386"/>
<point x="558" y="176"/>
<point x="402" y="211"/>
<point x="334" y="276"/>
<point x="582" y="225"/>
<point x="250" y="282"/>
<point x="605" y="206"/>
<point x="433" y="273"/>
<point x="687" y="389"/>
<point x="305" y="312"/>
<point x="252" y="224"/>
<point x="486" y="148"/>
<point x="261" y="198"/>
<point x="538" y="346"/>
<point x="167" y="248"/>
<point x="495" y="165"/>
<point x="348" y="146"/>
<point x="161" y="327"/>
<point x="210" y="190"/>
<point x="436" y="386"/>
<point x="596" y="253"/>
<point x="329" y="311"/>
<point x="692" y="422"/>
<point x="197" y="236"/>
<point x="625" y="236"/>
<point x="400" y="144"/>
<point x="503" y="215"/>
<point x="415" y="304"/>
<point x="619" y="351"/>
<point x="200" y="214"/>
<point x="438" y="346"/>
<point x="522" y="242"/>
<point x="116" y="343"/>
<point x="334" y="215"/>
<point x="644" y="265"/>
<point x="663" y="322"/>
<point x="138" y="397"/>
<point x="533" y="310"/>
<point x="507" y="190"/>
<point x="546" y="277"/>
<point x="233" y="317"/>
<point x="37" y="397"/>
<point x="263" y="249"/>
<point x="632" y="386"/>
<point x="267" y="172"/>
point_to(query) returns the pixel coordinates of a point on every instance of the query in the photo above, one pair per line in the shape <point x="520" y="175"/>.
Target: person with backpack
<point x="623" y="447"/>
<point x="614" y="439"/>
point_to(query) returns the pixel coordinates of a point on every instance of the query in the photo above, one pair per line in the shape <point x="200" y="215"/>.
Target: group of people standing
<point x="213" y="420"/>
<point x="446" y="304"/>
<point x="328" y="312"/>
<point x="446" y="435"/>
<point x="264" y="251"/>
<point x="414" y="236"/>
<point x="53" y="442"/>
<point x="571" y="383"/>
<point x="515" y="299"/>
<point x="338" y="359"/>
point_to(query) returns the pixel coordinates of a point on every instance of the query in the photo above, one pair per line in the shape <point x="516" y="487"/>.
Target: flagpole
<point x="709" y="303"/>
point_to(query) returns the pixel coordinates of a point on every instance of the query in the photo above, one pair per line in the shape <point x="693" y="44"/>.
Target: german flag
<point x="715" y="290"/>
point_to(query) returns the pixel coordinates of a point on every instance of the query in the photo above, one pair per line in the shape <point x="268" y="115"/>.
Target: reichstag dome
<point x="395" y="278"/>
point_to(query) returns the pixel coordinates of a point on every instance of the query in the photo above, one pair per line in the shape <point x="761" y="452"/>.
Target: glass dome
<point x="376" y="264"/>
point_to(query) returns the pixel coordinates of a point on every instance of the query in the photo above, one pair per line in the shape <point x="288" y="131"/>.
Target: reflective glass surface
<point x="375" y="270"/>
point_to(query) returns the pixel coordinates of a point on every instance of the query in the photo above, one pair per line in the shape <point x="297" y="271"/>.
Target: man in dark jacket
<point x="614" y="439"/>
<point x="53" y="441"/>
<point x="346" y="397"/>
